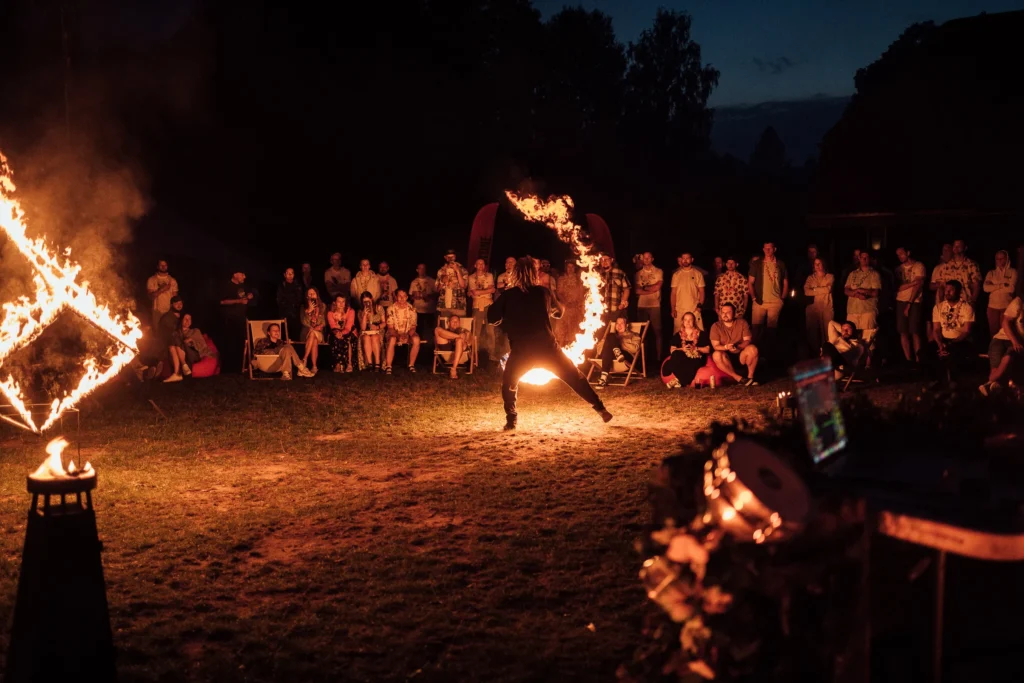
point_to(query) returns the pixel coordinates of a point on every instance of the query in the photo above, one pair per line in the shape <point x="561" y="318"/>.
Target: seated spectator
<point x="288" y="357"/>
<point x="402" y="330"/>
<point x="1007" y="347"/>
<point x="731" y="341"/>
<point x="166" y="328"/>
<point x="688" y="353"/>
<point x="621" y="344"/>
<point x="843" y="347"/>
<point x="341" y="320"/>
<point x="454" y="338"/>
<point x="198" y="354"/>
<point x="371" y="324"/>
<point x="313" y="320"/>
<point x="952" y="319"/>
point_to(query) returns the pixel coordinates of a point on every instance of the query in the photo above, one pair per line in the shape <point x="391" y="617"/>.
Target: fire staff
<point x="524" y="313"/>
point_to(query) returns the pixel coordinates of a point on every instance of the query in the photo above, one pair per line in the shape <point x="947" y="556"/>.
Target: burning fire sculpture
<point x="53" y="468"/>
<point x="555" y="213"/>
<point x="56" y="289"/>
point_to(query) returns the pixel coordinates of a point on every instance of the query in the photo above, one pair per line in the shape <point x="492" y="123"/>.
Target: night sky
<point x="786" y="49"/>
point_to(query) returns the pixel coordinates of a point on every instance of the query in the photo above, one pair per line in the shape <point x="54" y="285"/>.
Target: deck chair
<point x="443" y="357"/>
<point x="621" y="373"/>
<point x="857" y="372"/>
<point x="260" y="365"/>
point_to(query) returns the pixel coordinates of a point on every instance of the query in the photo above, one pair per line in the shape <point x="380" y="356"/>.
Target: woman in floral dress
<point x="313" y="319"/>
<point x="570" y="292"/>
<point x="341" y="320"/>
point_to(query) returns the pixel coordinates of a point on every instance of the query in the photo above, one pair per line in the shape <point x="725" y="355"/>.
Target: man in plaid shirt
<point x="401" y="330"/>
<point x="614" y="289"/>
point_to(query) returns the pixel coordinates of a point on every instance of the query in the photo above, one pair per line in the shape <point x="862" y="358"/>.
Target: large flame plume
<point x="53" y="466"/>
<point x="555" y="212"/>
<point x="55" y="289"/>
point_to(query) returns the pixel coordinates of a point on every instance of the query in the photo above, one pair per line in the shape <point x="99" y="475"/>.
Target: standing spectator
<point x="1000" y="284"/>
<point x="451" y="286"/>
<point x="501" y="348"/>
<point x="909" y="287"/>
<point x="768" y="283"/>
<point x="289" y="299"/>
<point x="423" y="292"/>
<point x="936" y="285"/>
<point x="307" y="277"/>
<point x="341" y="321"/>
<point x="388" y="285"/>
<point x="571" y="295"/>
<point x="732" y="344"/>
<point x="952" y="319"/>
<point x="863" y="287"/>
<point x="482" y="289"/>
<point x="614" y="288"/>
<point x="337" y="278"/>
<point x="649" y="280"/>
<point x="710" y="311"/>
<point x="1007" y="347"/>
<point x="401" y="330"/>
<point x="687" y="295"/>
<point x="371" y="323"/>
<point x="819" y="312"/>
<point x="235" y="301"/>
<point x="502" y="282"/>
<point x="313" y="319"/>
<point x="731" y="288"/>
<point x="365" y="281"/>
<point x="544" y="276"/>
<point x="806" y="268"/>
<point x="963" y="270"/>
<point x="161" y="288"/>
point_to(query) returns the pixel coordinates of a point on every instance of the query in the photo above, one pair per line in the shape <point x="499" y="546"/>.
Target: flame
<point x="56" y="288"/>
<point x="555" y="213"/>
<point x="53" y="466"/>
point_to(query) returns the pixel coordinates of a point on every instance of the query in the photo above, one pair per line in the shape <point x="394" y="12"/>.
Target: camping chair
<point x="869" y="338"/>
<point x="261" y="364"/>
<point x="622" y="371"/>
<point x="443" y="357"/>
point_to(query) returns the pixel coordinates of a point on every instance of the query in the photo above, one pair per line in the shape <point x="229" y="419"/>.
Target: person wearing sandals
<point x="371" y="323"/>
<point x="341" y="320"/>
<point x="732" y="347"/>
<point x="401" y="330"/>
<point x="313" y="320"/>
<point x="453" y="338"/>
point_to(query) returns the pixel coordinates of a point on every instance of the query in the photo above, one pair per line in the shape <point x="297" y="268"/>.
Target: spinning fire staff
<point x="524" y="312"/>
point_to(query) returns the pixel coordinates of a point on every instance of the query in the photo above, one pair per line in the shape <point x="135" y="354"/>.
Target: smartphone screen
<point x="819" y="408"/>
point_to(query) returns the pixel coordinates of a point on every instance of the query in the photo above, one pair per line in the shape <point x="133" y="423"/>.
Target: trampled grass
<point x="369" y="528"/>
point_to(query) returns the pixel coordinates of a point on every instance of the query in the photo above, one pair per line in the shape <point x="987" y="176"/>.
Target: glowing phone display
<point x="819" y="408"/>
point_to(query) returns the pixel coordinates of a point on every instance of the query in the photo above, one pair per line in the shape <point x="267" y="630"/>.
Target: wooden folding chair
<point x="622" y="372"/>
<point x="443" y="357"/>
<point x="261" y="364"/>
<point x="868" y="337"/>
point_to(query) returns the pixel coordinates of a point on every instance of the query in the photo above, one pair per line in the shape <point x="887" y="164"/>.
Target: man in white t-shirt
<point x="952" y="320"/>
<point x="687" y="293"/>
<point x="649" y="280"/>
<point x="161" y="288"/>
<point x="388" y="285"/>
<point x="909" y="286"/>
<point x="862" y="287"/>
<point x="1007" y="347"/>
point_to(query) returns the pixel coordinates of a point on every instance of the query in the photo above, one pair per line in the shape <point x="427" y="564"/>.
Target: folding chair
<point x="620" y="370"/>
<point x="260" y="364"/>
<point x="868" y="337"/>
<point x="443" y="357"/>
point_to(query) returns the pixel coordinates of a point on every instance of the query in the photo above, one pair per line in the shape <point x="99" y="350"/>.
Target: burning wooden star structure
<point x="556" y="212"/>
<point x="56" y="290"/>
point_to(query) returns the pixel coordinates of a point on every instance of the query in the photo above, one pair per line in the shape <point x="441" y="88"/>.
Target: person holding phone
<point x="731" y="341"/>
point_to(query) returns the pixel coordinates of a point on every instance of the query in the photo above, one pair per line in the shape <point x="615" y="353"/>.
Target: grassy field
<point x="368" y="527"/>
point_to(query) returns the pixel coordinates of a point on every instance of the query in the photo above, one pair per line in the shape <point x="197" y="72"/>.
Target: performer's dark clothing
<point x="525" y="320"/>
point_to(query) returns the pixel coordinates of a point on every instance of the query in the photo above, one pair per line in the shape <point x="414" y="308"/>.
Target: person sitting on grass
<point x="952" y="319"/>
<point x="688" y="353"/>
<point x="454" y="338"/>
<point x="371" y="324"/>
<point x="188" y="346"/>
<point x="287" y="356"/>
<point x="313" y="319"/>
<point x="402" y="330"/>
<point x="843" y="347"/>
<point x="731" y="341"/>
<point x="621" y="344"/>
<point x="342" y="322"/>
<point x="1006" y="348"/>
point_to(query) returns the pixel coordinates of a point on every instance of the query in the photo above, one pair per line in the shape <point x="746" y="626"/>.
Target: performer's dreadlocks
<point x="523" y="275"/>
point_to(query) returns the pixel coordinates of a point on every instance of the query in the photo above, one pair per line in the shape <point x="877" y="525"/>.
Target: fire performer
<point x="523" y="311"/>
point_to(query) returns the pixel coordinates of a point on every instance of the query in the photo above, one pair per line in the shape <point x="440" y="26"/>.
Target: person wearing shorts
<point x="731" y="346"/>
<point x="910" y="278"/>
<point x="1006" y="348"/>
